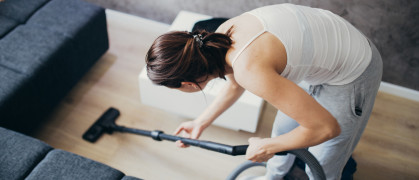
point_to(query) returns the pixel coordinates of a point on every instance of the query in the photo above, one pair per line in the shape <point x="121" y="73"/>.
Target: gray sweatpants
<point x="351" y="104"/>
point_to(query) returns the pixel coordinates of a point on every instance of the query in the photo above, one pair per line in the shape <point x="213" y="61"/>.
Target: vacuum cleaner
<point x="106" y="124"/>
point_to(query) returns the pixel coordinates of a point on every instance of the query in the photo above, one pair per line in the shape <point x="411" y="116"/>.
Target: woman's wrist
<point x="271" y="146"/>
<point x="203" y="123"/>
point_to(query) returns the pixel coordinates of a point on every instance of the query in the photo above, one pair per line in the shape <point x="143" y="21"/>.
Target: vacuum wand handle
<point x="217" y="147"/>
<point x="160" y="135"/>
<point x="212" y="146"/>
<point x="242" y="149"/>
<point x="222" y="148"/>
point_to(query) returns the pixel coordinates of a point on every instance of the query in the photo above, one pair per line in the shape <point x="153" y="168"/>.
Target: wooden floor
<point x="389" y="148"/>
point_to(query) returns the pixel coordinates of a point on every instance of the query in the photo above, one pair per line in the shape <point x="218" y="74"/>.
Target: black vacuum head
<point x="105" y="124"/>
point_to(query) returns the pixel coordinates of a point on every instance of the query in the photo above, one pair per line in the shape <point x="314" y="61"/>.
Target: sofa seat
<point x="23" y="157"/>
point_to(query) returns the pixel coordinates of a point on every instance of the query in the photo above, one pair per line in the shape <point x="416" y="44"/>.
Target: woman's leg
<point x="278" y="166"/>
<point x="351" y="105"/>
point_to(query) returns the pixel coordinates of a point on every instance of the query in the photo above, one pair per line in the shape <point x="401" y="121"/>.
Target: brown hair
<point x="180" y="56"/>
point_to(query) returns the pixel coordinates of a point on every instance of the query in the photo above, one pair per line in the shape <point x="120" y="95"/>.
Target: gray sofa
<point x="23" y="157"/>
<point x="46" y="46"/>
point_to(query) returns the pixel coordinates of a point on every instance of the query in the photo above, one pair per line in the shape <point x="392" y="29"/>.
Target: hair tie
<point x="198" y="39"/>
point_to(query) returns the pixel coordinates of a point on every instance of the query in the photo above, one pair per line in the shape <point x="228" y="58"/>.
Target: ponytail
<point x="180" y="56"/>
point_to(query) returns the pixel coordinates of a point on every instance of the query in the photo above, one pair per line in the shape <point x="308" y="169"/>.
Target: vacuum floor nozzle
<point x="105" y="124"/>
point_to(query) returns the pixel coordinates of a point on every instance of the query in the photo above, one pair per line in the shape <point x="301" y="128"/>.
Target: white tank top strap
<point x="245" y="46"/>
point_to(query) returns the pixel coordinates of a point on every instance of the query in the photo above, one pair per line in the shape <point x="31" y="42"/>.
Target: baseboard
<point x="399" y="91"/>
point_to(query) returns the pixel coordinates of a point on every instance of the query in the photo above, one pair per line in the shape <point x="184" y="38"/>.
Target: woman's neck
<point x="228" y="69"/>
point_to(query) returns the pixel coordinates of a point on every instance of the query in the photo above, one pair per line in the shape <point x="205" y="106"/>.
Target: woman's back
<point x="320" y="46"/>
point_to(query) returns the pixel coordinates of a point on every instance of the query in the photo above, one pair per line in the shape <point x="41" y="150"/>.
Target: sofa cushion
<point x="6" y="25"/>
<point x="69" y="19"/>
<point x="20" y="10"/>
<point x="47" y="55"/>
<point x="39" y="69"/>
<point x="47" y="65"/>
<point x="65" y="16"/>
<point x="61" y="26"/>
<point x="59" y="164"/>
<point x="28" y="47"/>
<point x="19" y="154"/>
<point x="15" y="12"/>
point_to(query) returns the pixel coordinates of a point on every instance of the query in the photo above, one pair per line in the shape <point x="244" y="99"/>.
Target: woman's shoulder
<point x="244" y="28"/>
<point x="251" y="44"/>
<point x="266" y="51"/>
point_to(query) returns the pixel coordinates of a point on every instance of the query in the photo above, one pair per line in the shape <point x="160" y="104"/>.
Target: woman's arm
<point x="226" y="98"/>
<point x="317" y="125"/>
<point x="229" y="94"/>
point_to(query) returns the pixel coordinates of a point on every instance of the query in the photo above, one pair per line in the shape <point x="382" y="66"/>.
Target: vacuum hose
<point x="303" y="154"/>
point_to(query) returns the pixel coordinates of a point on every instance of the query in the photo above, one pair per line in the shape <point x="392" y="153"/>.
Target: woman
<point x="268" y="51"/>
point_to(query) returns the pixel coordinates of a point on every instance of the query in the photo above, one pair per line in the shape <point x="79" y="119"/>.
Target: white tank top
<point x="321" y="47"/>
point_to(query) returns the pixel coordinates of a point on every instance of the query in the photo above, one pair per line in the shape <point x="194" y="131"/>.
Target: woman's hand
<point x="257" y="150"/>
<point x="189" y="129"/>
